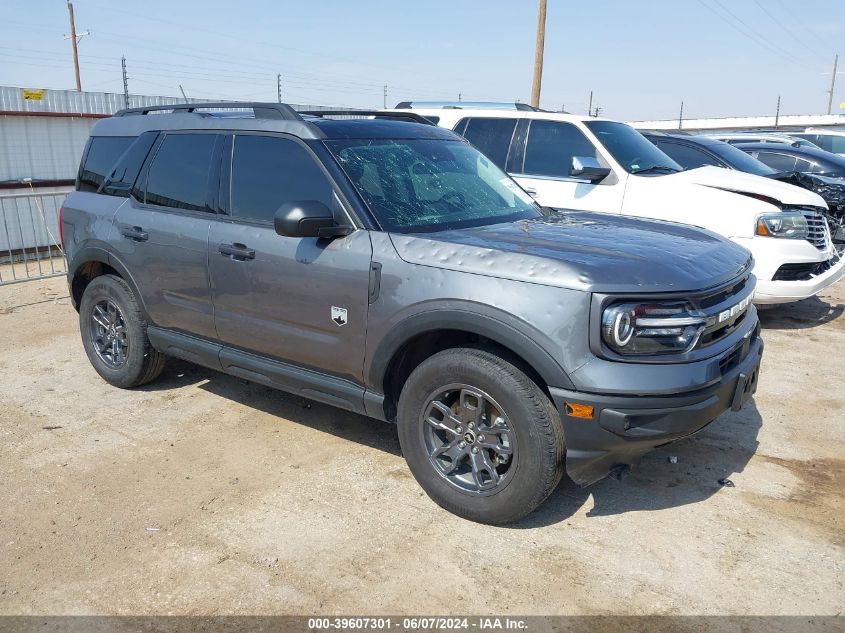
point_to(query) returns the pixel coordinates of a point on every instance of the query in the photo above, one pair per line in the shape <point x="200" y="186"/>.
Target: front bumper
<point x="772" y="253"/>
<point x="624" y="428"/>
<point x="769" y="292"/>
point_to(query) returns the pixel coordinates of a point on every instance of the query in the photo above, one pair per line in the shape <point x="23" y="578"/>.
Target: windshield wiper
<point x="655" y="168"/>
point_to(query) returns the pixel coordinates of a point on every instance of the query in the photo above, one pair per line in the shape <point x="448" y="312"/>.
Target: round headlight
<point x="619" y="325"/>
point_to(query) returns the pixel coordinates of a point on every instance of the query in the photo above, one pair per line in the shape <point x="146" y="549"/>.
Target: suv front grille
<point x="716" y="305"/>
<point x="818" y="231"/>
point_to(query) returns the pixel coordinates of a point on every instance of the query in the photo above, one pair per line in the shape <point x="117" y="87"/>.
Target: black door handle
<point x="135" y="233"/>
<point x="236" y="251"/>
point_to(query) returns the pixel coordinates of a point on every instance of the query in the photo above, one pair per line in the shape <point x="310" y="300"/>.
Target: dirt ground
<point x="204" y="494"/>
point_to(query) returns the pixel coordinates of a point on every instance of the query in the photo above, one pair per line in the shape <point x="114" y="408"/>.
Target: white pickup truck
<point x="575" y="162"/>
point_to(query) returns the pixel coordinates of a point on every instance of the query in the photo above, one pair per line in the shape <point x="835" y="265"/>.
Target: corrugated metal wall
<point x="49" y="148"/>
<point x="42" y="148"/>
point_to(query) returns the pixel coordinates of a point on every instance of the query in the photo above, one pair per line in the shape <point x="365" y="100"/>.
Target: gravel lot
<point x="204" y="494"/>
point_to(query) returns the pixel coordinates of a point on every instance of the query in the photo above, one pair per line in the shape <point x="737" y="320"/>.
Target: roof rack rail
<point x="412" y="116"/>
<point x="458" y="105"/>
<point x="260" y="110"/>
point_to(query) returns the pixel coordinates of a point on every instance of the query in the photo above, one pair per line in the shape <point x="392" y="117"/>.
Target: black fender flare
<point x="490" y="327"/>
<point x="89" y="254"/>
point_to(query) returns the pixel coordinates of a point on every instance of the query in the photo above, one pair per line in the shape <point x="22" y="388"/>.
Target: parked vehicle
<point x="694" y="151"/>
<point x="390" y="269"/>
<point x="691" y="152"/>
<point x="827" y="139"/>
<point x="777" y="138"/>
<point x="575" y="162"/>
<point x="804" y="159"/>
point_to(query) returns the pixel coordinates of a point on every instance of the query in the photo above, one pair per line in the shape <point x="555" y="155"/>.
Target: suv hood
<point x="740" y="182"/>
<point x="584" y="251"/>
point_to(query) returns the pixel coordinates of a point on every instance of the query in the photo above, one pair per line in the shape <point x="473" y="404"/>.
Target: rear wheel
<point x="114" y="334"/>
<point x="480" y="437"/>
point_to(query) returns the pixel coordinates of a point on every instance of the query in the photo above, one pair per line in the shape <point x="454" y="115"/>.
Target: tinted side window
<point x="551" y="146"/>
<point x="101" y="155"/>
<point x="269" y="171"/>
<point x="778" y="162"/>
<point x="805" y="165"/>
<point x="835" y="144"/>
<point x="687" y="156"/>
<point x="813" y="138"/>
<point x="492" y="137"/>
<point x="178" y="176"/>
<point x="122" y="177"/>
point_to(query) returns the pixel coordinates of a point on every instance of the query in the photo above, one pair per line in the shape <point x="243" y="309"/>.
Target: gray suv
<point x="383" y="265"/>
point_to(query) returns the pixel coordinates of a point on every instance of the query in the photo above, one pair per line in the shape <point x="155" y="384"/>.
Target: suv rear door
<point x="299" y="300"/>
<point x="162" y="231"/>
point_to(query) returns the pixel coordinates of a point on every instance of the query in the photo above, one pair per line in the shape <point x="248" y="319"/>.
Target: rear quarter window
<point x="99" y="158"/>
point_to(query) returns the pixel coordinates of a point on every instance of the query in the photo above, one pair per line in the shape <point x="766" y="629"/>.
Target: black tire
<point x="141" y="363"/>
<point x="538" y="451"/>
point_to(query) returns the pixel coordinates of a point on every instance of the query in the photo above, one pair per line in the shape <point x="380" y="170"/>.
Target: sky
<point x="640" y="58"/>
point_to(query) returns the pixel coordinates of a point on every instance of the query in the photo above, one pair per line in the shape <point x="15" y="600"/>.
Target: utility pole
<point x="538" y="54"/>
<point x="74" y="41"/>
<point x="125" y="82"/>
<point x="182" y="90"/>
<point x="681" y="116"/>
<point x="279" y="86"/>
<point x="385" y="96"/>
<point x="777" y="113"/>
<point x="459" y="97"/>
<point x="832" y="85"/>
<point x="590" y="104"/>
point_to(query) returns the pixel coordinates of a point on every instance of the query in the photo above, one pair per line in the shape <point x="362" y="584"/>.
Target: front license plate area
<point x="746" y="385"/>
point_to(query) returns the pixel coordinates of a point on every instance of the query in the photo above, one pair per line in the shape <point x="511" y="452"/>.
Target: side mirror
<point x="307" y="218"/>
<point x="588" y="168"/>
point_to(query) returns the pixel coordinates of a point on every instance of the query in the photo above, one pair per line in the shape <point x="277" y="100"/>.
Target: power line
<point x="813" y="33"/>
<point x="740" y="26"/>
<point x="788" y="30"/>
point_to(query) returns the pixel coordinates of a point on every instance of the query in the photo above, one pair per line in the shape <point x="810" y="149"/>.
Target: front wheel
<point x="480" y="437"/>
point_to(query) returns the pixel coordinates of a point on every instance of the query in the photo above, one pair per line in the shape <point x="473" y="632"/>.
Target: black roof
<point x="703" y="141"/>
<point x="271" y="117"/>
<point x="379" y="129"/>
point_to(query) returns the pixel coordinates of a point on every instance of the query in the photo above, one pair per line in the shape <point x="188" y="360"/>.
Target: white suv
<point x="829" y="140"/>
<point x="574" y="162"/>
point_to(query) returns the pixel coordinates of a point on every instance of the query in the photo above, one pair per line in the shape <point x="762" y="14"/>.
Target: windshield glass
<point x="741" y="161"/>
<point x="631" y="149"/>
<point x="431" y="185"/>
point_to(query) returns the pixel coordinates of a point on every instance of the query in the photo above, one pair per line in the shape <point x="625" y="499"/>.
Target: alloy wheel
<point x="108" y="333"/>
<point x="469" y="439"/>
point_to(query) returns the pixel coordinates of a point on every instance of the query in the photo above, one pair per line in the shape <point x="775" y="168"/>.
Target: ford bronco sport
<point x="387" y="267"/>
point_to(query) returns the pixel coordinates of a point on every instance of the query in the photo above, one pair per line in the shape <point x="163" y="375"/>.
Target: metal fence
<point x="29" y="236"/>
